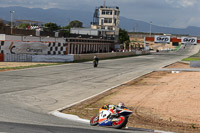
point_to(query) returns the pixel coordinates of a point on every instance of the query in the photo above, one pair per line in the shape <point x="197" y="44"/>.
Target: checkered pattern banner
<point x="57" y="48"/>
<point x="1" y="44"/>
<point x="39" y="48"/>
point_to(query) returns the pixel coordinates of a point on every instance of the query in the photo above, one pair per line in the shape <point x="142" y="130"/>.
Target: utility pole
<point x="11" y="21"/>
<point x="136" y="27"/>
<point x="68" y="20"/>
<point x="150" y="28"/>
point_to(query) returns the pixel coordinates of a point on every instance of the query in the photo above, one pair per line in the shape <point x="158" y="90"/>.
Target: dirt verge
<point x="159" y="100"/>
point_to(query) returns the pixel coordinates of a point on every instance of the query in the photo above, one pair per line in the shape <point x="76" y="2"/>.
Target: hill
<point x="63" y="17"/>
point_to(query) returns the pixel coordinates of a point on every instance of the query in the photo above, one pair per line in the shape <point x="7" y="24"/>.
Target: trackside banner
<point x="162" y="39"/>
<point x="25" y="48"/>
<point x="189" y="40"/>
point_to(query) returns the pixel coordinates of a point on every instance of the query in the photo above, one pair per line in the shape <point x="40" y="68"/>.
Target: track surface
<point x="26" y="96"/>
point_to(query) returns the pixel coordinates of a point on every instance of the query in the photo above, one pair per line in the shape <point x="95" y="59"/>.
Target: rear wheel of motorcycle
<point x="94" y="121"/>
<point x="121" y="123"/>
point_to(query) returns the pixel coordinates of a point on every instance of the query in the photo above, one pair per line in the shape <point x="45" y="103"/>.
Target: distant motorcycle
<point x="117" y="122"/>
<point x="95" y="63"/>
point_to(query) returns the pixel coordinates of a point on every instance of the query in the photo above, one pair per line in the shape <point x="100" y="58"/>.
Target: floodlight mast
<point x="11" y="21"/>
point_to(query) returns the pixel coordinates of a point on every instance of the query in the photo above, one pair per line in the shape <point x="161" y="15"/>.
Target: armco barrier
<point x="17" y="58"/>
<point x="52" y="58"/>
<point x="37" y="58"/>
<point x="194" y="63"/>
<point x="80" y="57"/>
<point x="64" y="58"/>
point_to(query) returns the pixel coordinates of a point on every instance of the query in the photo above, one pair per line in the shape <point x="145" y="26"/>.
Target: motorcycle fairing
<point x="125" y="112"/>
<point x="107" y="122"/>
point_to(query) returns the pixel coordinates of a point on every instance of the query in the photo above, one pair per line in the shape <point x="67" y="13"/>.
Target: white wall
<point x="13" y="38"/>
<point x="52" y="58"/>
<point x="37" y="58"/>
<point x="2" y="37"/>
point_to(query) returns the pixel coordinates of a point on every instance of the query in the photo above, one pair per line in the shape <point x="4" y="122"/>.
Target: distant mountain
<point x="63" y="17"/>
<point x="141" y="26"/>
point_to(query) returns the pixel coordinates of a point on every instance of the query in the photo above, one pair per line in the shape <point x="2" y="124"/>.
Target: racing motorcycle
<point x="95" y="63"/>
<point x="104" y="118"/>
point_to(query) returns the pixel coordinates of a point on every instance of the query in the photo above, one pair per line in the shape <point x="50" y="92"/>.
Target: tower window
<point x="108" y="20"/>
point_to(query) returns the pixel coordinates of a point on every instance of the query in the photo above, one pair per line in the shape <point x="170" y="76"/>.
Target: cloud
<point x="182" y="3"/>
<point x="174" y="13"/>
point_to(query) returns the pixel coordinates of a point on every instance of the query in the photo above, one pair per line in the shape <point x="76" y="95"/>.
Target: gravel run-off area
<point x="159" y="100"/>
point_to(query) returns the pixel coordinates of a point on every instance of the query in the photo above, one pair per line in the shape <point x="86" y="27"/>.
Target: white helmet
<point x="121" y="105"/>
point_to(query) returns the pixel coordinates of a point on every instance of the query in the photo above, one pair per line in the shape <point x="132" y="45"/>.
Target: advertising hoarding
<point x="162" y="39"/>
<point x="37" y="48"/>
<point x="189" y="40"/>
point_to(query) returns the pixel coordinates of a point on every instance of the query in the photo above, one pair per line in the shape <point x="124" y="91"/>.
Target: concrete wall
<point x="37" y="58"/>
<point x="52" y="58"/>
<point x="194" y="63"/>
<point x="63" y="58"/>
<point x="80" y="57"/>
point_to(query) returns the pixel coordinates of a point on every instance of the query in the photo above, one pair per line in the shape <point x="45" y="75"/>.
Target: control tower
<point x="106" y="20"/>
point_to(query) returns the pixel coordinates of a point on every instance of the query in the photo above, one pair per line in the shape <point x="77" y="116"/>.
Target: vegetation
<point x="75" y="24"/>
<point x="1" y="23"/>
<point x="177" y="48"/>
<point x="191" y="59"/>
<point x="52" y="26"/>
<point x="195" y="57"/>
<point x="23" y="26"/>
<point x="64" y="30"/>
<point x="124" y="37"/>
<point x="31" y="66"/>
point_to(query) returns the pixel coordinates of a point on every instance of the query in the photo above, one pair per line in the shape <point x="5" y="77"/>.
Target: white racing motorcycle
<point x="119" y="121"/>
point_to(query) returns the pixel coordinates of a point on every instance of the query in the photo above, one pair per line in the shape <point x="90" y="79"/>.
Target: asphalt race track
<point x="27" y="96"/>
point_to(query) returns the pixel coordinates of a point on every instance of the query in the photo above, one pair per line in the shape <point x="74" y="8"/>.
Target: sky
<point x="168" y="13"/>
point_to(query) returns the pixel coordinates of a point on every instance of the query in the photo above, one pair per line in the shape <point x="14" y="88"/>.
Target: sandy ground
<point x="160" y="100"/>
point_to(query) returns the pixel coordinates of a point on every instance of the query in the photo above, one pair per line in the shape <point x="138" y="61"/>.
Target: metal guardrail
<point x="18" y="58"/>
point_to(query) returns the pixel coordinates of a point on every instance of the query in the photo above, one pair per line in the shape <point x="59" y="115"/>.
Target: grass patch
<point x="191" y="59"/>
<point x="195" y="57"/>
<point x="30" y="66"/>
<point x="177" y="47"/>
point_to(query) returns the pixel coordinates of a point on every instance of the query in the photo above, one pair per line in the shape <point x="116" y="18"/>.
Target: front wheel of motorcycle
<point x="94" y="121"/>
<point x="120" y="123"/>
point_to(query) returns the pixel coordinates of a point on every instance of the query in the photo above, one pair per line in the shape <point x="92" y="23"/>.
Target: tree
<point x="72" y="24"/>
<point x="75" y="24"/>
<point x="23" y="26"/>
<point x="123" y="36"/>
<point x="1" y="23"/>
<point x="52" y="26"/>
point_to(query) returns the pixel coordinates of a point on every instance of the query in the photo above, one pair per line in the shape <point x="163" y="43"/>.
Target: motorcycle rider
<point x="113" y="109"/>
<point x="95" y="61"/>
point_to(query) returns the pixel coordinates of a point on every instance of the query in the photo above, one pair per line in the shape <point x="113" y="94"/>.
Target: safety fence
<point x="64" y="58"/>
<point x="37" y="58"/>
<point x="17" y="58"/>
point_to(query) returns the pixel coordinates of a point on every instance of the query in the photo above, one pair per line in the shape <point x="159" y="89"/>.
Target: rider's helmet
<point x="121" y="105"/>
